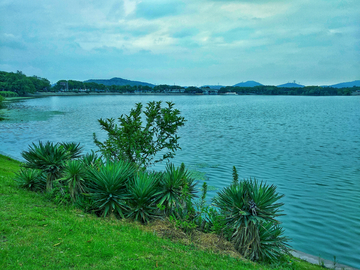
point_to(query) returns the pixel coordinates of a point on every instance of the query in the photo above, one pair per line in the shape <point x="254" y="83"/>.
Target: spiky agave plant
<point x="273" y="243"/>
<point x="107" y="187"/>
<point x="49" y="158"/>
<point x="250" y="207"/>
<point x="74" y="175"/>
<point x="142" y="197"/>
<point x="92" y="160"/>
<point x="172" y="186"/>
<point x="73" y="149"/>
<point x="30" y="179"/>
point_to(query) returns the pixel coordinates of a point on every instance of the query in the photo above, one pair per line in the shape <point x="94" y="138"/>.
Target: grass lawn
<point x="35" y="233"/>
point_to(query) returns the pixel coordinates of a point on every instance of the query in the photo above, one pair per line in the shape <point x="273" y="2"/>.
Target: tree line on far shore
<point x="296" y="91"/>
<point x="21" y="84"/>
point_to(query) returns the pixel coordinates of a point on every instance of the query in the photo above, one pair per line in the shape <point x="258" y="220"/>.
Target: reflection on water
<point x="307" y="146"/>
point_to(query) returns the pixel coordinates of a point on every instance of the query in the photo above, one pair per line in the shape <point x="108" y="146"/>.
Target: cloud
<point x="159" y="8"/>
<point x="201" y="42"/>
<point x="11" y="41"/>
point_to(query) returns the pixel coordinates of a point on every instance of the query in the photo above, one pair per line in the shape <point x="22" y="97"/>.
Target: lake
<point x="309" y="147"/>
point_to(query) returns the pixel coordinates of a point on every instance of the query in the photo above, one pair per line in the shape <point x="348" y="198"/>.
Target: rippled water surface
<point x="309" y="147"/>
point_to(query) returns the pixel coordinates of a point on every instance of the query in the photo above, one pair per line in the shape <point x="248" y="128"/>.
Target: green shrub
<point x="31" y="179"/>
<point x="176" y="188"/>
<point x="50" y="158"/>
<point x="142" y="197"/>
<point x="73" y="149"/>
<point x="107" y="187"/>
<point x="139" y="142"/>
<point x="74" y="175"/>
<point x="92" y="160"/>
<point x="59" y="194"/>
<point x="8" y="94"/>
<point x="250" y="208"/>
<point x="1" y="105"/>
<point x="186" y="224"/>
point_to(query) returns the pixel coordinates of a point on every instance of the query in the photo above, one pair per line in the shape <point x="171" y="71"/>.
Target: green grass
<point x="37" y="234"/>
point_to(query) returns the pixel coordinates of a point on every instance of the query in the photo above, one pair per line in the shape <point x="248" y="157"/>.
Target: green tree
<point x="1" y="100"/>
<point x="139" y="142"/>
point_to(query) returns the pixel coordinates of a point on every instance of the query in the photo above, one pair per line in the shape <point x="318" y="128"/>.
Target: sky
<point x="189" y="42"/>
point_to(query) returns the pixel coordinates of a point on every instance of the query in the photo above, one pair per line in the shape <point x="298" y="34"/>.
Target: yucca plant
<point x="30" y="179"/>
<point x="73" y="149"/>
<point x="107" y="187"/>
<point x="50" y="158"/>
<point x="73" y="176"/>
<point x="92" y="160"/>
<point x="171" y="190"/>
<point x="249" y="207"/>
<point x="273" y="243"/>
<point x="142" y="197"/>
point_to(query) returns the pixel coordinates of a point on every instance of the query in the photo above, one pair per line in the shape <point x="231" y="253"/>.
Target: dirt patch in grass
<point x="204" y="241"/>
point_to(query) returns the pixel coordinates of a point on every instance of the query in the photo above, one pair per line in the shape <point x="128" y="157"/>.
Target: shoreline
<point x="316" y="260"/>
<point x="320" y="261"/>
<point x="49" y="94"/>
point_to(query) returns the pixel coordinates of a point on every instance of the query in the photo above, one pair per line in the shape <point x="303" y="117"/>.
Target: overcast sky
<point x="190" y="42"/>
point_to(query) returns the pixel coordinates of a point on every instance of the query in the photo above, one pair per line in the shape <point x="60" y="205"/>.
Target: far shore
<point x="69" y="93"/>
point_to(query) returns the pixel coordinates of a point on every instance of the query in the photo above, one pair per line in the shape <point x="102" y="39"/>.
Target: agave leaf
<point x="142" y="192"/>
<point x="250" y="208"/>
<point x="30" y="179"/>
<point x="73" y="176"/>
<point x="107" y="187"/>
<point x="49" y="158"/>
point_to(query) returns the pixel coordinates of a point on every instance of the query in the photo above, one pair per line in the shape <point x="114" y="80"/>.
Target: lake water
<point x="309" y="147"/>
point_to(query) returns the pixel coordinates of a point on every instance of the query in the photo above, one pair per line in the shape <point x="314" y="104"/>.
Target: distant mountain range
<point x="120" y="81"/>
<point x="346" y="84"/>
<point x="290" y="85"/>
<point x="248" y="84"/>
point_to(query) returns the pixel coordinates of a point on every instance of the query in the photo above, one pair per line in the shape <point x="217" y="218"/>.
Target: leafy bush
<point x="1" y="106"/>
<point x="59" y="194"/>
<point x="8" y="94"/>
<point x="186" y="224"/>
<point x="139" y="142"/>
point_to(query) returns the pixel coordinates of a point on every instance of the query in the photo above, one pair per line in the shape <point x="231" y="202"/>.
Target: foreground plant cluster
<point x="119" y="183"/>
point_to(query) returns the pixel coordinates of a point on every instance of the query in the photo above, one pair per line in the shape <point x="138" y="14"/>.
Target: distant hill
<point x="120" y="81"/>
<point x="217" y="87"/>
<point x="289" y="85"/>
<point x="248" y="84"/>
<point x="346" y="84"/>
